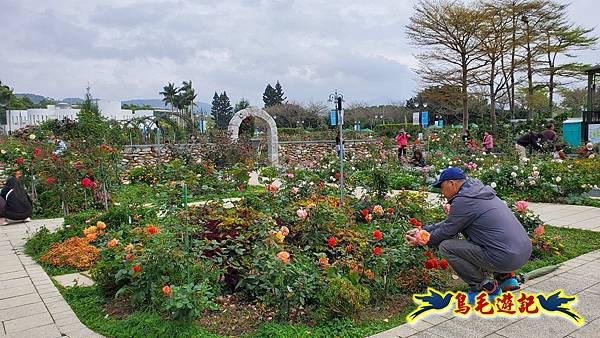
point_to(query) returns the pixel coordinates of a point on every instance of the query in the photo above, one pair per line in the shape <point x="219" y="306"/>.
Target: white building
<point x="17" y="119"/>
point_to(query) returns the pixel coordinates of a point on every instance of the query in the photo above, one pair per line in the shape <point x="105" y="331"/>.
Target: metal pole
<point x="341" y="128"/>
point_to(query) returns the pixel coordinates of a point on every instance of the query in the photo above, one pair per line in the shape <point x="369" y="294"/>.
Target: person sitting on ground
<point x="417" y="159"/>
<point x="528" y="143"/>
<point x="496" y="242"/>
<point x="15" y="203"/>
<point x="589" y="152"/>
<point x="558" y="153"/>
<point x="488" y="142"/>
<point x="549" y="135"/>
<point x="402" y="139"/>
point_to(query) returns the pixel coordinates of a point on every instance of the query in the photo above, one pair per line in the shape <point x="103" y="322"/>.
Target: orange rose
<point x="422" y="237"/>
<point x="284" y="257"/>
<point x="166" y="290"/>
<point x="91" y="236"/>
<point x="128" y="247"/>
<point x="113" y="242"/>
<point x="129" y="257"/>
<point x="284" y="230"/>
<point x="89" y="230"/>
<point x="101" y="225"/>
<point x="323" y="260"/>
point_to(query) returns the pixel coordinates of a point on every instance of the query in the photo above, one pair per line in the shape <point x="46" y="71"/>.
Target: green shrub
<point x="342" y="298"/>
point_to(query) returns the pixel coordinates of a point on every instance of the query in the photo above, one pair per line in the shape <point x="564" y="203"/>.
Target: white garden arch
<point x="272" y="138"/>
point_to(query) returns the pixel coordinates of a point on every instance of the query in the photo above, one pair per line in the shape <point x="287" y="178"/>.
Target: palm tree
<point x="169" y="94"/>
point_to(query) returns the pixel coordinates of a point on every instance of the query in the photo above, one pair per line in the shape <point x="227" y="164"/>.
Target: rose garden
<point x="192" y="246"/>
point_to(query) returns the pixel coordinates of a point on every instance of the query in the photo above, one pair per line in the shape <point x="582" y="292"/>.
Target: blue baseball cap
<point x="451" y="173"/>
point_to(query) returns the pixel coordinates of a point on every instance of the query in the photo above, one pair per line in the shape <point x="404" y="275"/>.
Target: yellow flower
<point x="279" y="236"/>
<point x="101" y="225"/>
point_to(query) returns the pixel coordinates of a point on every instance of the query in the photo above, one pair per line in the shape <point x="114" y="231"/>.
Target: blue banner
<point x="425" y="119"/>
<point x="333" y="118"/>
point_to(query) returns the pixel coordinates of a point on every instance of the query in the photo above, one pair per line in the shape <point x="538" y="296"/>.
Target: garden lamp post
<point x="337" y="100"/>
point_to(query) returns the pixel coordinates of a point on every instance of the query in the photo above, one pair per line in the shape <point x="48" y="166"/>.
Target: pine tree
<point x="243" y="104"/>
<point x="226" y="110"/>
<point x="215" y="109"/>
<point x="269" y="96"/>
<point x="279" y="98"/>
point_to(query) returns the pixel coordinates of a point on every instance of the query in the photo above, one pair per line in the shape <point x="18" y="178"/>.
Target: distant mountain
<point x="33" y="97"/>
<point x="72" y="100"/>
<point x="159" y="104"/>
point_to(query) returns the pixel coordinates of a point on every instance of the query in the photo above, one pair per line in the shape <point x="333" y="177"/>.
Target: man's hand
<point x="412" y="241"/>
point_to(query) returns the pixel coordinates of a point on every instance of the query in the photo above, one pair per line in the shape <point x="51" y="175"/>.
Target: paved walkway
<point x="30" y="305"/>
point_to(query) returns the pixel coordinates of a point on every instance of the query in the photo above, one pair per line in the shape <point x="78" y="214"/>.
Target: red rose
<point x="428" y="254"/>
<point x="152" y="229"/>
<point x="332" y="241"/>
<point x="51" y="180"/>
<point x="390" y="210"/>
<point x="377" y="234"/>
<point x="364" y="212"/>
<point x="93" y="185"/>
<point x="456" y="158"/>
<point x="377" y="251"/>
<point x="431" y="263"/>
<point x="77" y="165"/>
<point x="37" y="152"/>
<point x="443" y="264"/>
<point x="86" y="182"/>
<point x="20" y="160"/>
<point x="54" y="158"/>
<point x="137" y="268"/>
<point x="166" y="290"/>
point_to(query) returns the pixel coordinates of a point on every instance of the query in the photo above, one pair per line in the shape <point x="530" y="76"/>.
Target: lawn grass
<point x="576" y="241"/>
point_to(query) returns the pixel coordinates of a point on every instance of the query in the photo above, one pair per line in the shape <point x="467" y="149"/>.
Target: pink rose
<point x="295" y="190"/>
<point x="422" y="237"/>
<point x="446" y="208"/>
<point x="539" y="230"/>
<point x="303" y="214"/>
<point x="521" y="206"/>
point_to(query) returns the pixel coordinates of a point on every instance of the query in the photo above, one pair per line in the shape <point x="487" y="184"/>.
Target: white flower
<point x="513" y="174"/>
<point x="495" y="156"/>
<point x="32" y="136"/>
<point x="522" y="184"/>
<point x="525" y="160"/>
<point x="498" y="170"/>
<point x="484" y="153"/>
<point x="353" y="168"/>
<point x="535" y="168"/>
<point x="592" y="156"/>
<point x="331" y="178"/>
<point x="493" y="185"/>
<point x="515" y="168"/>
<point x="531" y="182"/>
<point x="557" y="179"/>
<point x="3" y="151"/>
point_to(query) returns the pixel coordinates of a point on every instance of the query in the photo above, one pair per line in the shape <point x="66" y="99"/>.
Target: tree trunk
<point x="551" y="92"/>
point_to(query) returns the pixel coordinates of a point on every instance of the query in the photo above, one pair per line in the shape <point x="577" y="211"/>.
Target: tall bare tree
<point x="447" y="30"/>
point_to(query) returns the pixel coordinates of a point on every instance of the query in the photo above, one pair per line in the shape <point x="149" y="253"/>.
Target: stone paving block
<point x="569" y="285"/>
<point x="419" y="325"/>
<point x="594" y="289"/>
<point x="13" y="275"/>
<point x="434" y="319"/>
<point x="11" y="268"/>
<point x="589" y="330"/>
<point x="399" y="331"/>
<point x="29" y="322"/>
<point x="74" y="279"/>
<point x="425" y="334"/>
<point x="23" y="281"/>
<point x="16" y="291"/>
<point x="46" y="331"/>
<point x="22" y="311"/>
<point x="536" y="327"/>
<point x="472" y="326"/>
<point x="587" y="305"/>
<point x="19" y="300"/>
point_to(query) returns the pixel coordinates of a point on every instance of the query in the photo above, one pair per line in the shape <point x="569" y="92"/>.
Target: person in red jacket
<point x="402" y="139"/>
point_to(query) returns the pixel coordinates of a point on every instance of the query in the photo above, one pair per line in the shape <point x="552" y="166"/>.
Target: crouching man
<point x="495" y="241"/>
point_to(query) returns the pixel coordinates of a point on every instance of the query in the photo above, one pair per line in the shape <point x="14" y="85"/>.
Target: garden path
<point x="30" y="304"/>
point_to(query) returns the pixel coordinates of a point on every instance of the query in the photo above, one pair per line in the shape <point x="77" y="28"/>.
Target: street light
<point x="337" y="100"/>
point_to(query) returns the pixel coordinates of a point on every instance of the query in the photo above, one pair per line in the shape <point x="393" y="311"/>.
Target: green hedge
<point x="391" y="130"/>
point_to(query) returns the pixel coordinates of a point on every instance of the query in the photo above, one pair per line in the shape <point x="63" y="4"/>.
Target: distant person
<point x="402" y="140"/>
<point x="558" y="153"/>
<point x="488" y="142"/>
<point x="15" y="203"/>
<point x="589" y="152"/>
<point x="466" y="136"/>
<point x="528" y="143"/>
<point x="417" y="159"/>
<point x="549" y="135"/>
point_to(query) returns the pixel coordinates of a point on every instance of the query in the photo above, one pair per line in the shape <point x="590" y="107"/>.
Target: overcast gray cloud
<point x="130" y="49"/>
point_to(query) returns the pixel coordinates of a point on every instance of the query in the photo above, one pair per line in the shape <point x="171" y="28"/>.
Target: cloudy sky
<point x="130" y="49"/>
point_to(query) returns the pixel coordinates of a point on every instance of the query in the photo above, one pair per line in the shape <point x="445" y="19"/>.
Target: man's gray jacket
<point x="485" y="220"/>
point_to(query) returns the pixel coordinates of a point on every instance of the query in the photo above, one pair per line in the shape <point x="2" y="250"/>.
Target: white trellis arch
<point x="272" y="138"/>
